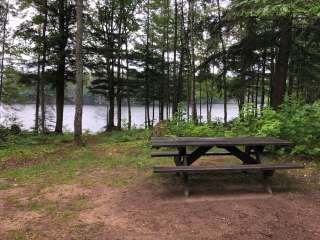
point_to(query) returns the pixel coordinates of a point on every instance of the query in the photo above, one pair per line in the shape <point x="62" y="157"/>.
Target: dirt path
<point x="149" y="210"/>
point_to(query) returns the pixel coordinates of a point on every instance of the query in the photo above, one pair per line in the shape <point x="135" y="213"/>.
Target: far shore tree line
<point x="160" y="53"/>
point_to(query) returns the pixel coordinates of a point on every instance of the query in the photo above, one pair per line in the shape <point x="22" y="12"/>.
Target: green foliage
<point x="181" y="127"/>
<point x="186" y="129"/>
<point x="295" y="121"/>
<point x="126" y="136"/>
<point x="267" y="8"/>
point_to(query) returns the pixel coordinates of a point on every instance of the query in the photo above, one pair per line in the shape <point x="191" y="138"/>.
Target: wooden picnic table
<point x="252" y="147"/>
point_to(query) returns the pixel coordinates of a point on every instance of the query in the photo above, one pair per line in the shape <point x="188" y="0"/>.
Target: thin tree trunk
<point x="161" y="90"/>
<point x="147" y="106"/>
<point x="127" y="83"/>
<point x="110" y="125"/>
<point x="291" y="79"/>
<point x="257" y="91"/>
<point x="44" y="60"/>
<point x="182" y="57"/>
<point x="119" y="81"/>
<point x="79" y="74"/>
<point x="207" y="102"/>
<point x="193" y="70"/>
<point x="4" y="36"/>
<point x="200" y="102"/>
<point x="224" y="62"/>
<point x="168" y="61"/>
<point x="175" y="42"/>
<point x="272" y="70"/>
<point x="36" y="121"/>
<point x="263" y="77"/>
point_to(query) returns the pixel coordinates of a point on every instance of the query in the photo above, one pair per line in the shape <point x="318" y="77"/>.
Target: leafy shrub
<point x="185" y="129"/>
<point x="294" y="121"/>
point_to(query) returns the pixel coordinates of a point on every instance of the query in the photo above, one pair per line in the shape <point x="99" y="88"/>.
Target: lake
<point x="94" y="117"/>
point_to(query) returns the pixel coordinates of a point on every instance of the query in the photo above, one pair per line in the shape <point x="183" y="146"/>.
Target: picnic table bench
<point x="250" y="156"/>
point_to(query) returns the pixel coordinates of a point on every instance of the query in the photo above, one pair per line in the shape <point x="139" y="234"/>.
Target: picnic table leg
<point x="267" y="180"/>
<point x="258" y="150"/>
<point x="186" y="178"/>
<point x="178" y="160"/>
<point x="254" y="150"/>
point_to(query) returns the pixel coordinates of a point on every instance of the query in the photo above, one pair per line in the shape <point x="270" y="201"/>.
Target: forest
<point x="173" y="54"/>
<point x="240" y="78"/>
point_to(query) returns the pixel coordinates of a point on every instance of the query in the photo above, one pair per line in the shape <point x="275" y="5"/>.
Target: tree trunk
<point x="193" y="70"/>
<point x="4" y="36"/>
<point x="175" y="42"/>
<point x="110" y="124"/>
<point x="263" y="77"/>
<point x="60" y="82"/>
<point x="200" y="102"/>
<point x="36" y="121"/>
<point x="127" y="83"/>
<point x="224" y="62"/>
<point x="44" y="59"/>
<point x="257" y="91"/>
<point x="79" y="75"/>
<point x="119" y="80"/>
<point x="182" y="56"/>
<point x="147" y="106"/>
<point x="281" y="71"/>
<point x="291" y="79"/>
<point x="272" y="67"/>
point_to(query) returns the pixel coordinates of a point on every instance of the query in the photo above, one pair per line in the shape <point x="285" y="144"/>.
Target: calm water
<point x="94" y="117"/>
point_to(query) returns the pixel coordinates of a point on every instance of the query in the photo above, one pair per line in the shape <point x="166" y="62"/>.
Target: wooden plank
<point x="217" y="141"/>
<point x="232" y="168"/>
<point x="174" y="154"/>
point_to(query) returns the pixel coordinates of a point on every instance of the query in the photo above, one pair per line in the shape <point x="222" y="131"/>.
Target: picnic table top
<point x="217" y="141"/>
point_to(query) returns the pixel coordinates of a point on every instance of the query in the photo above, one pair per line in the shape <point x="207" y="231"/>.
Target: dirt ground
<point x="154" y="208"/>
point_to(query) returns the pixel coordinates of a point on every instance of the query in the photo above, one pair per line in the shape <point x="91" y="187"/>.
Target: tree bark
<point x="147" y="105"/>
<point x="43" y="69"/>
<point x="193" y="69"/>
<point x="127" y="83"/>
<point x="119" y="78"/>
<point x="79" y="75"/>
<point x="263" y="77"/>
<point x="168" y="87"/>
<point x="281" y="69"/>
<point x="36" y="121"/>
<point x="224" y="62"/>
<point x="4" y="36"/>
<point x="272" y="69"/>
<point x="175" y="42"/>
<point x="60" y="82"/>
<point x="182" y="56"/>
<point x="110" y="124"/>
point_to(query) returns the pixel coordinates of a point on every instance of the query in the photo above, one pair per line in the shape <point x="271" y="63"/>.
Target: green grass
<point x="29" y="145"/>
<point x="127" y="153"/>
<point x="120" y="149"/>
